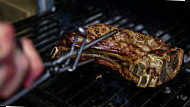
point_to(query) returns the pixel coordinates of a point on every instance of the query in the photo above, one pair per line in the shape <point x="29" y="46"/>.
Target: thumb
<point x="6" y="41"/>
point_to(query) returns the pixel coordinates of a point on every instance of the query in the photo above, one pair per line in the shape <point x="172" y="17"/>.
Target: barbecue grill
<point x="97" y="85"/>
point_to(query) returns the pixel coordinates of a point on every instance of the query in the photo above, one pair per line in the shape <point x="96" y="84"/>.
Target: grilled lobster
<point x="141" y="58"/>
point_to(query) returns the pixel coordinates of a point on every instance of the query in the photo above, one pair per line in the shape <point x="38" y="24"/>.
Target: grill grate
<point x="101" y="86"/>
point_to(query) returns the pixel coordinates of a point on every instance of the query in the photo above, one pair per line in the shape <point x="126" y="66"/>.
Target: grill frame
<point x="45" y="93"/>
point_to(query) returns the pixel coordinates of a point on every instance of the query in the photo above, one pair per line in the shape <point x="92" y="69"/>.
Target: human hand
<point x="16" y="67"/>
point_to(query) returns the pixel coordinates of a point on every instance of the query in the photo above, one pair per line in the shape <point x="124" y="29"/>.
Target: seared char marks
<point x="141" y="58"/>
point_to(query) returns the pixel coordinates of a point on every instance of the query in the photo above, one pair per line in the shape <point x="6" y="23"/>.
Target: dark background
<point x="179" y="10"/>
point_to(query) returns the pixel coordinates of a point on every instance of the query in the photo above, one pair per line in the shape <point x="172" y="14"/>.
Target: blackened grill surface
<point x="97" y="85"/>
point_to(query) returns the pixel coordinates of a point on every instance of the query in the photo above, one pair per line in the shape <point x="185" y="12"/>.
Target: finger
<point x="2" y="75"/>
<point x="36" y="64"/>
<point x="6" y="72"/>
<point x="12" y="84"/>
<point x="6" y="41"/>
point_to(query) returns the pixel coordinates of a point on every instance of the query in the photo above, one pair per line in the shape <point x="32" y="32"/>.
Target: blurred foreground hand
<point x="16" y="67"/>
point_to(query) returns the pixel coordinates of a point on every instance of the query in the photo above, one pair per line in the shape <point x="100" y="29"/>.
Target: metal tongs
<point x="62" y="64"/>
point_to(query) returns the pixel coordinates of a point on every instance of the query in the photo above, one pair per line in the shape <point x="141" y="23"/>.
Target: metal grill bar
<point x="89" y="99"/>
<point x="151" y="97"/>
<point x="32" y="23"/>
<point x="132" y="97"/>
<point x="94" y="21"/>
<point x="168" y="30"/>
<point x="53" y="98"/>
<point x="31" y="19"/>
<point x="181" y="42"/>
<point x="47" y="48"/>
<point x="175" y="86"/>
<point x="59" y="90"/>
<point x="120" y="90"/>
<point x="96" y="11"/>
<point x="34" y="29"/>
<point x="177" y="34"/>
<point x="81" y="91"/>
<point x="45" y="30"/>
<point x="182" y="86"/>
<point x="115" y="22"/>
<point x="47" y="41"/>
<point x="46" y="35"/>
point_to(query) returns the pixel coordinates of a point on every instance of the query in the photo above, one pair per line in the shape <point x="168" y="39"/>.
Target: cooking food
<point x="138" y="57"/>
